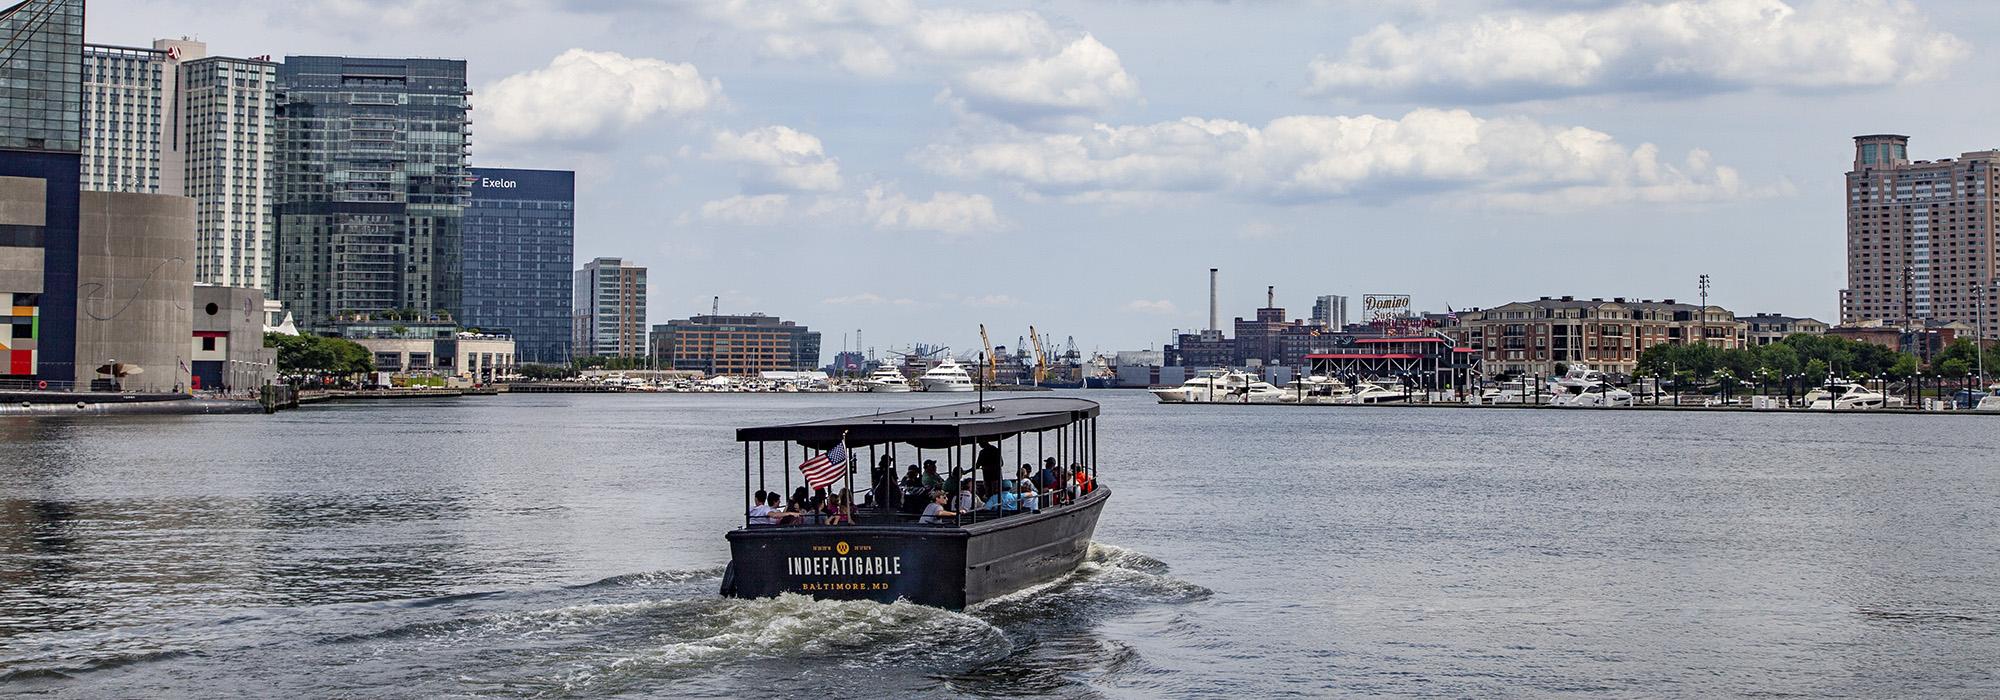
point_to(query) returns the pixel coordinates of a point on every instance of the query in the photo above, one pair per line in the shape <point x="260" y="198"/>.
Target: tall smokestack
<point x="1271" y="296"/>
<point x="1213" y="324"/>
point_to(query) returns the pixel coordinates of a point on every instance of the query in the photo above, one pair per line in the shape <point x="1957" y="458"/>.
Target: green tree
<point x="1815" y="370"/>
<point x="1904" y="367"/>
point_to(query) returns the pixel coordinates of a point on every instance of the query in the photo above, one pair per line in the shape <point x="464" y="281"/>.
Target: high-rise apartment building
<point x="226" y="127"/>
<point x="371" y="185"/>
<point x="1920" y="243"/>
<point x="1330" y="311"/>
<point x="519" y="243"/>
<point x="173" y="120"/>
<point x="610" y="310"/>
<point x="41" y="131"/>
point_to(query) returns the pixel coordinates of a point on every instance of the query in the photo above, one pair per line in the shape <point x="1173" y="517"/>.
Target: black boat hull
<point x="947" y="567"/>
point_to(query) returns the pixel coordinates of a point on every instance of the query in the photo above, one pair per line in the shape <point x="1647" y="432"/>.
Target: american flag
<point x="827" y="468"/>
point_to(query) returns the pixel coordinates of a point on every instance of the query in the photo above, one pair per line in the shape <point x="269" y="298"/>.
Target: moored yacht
<point x="1315" y="389"/>
<point x="1221" y="386"/>
<point x="887" y="379"/>
<point x="1582" y="386"/>
<point x="1373" y="393"/>
<point x="947" y="376"/>
<point x="1846" y="396"/>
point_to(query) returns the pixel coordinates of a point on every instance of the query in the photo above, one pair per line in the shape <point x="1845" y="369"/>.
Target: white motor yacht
<point x="1582" y="386"/>
<point x="1515" y="391"/>
<point x="949" y="375"/>
<point x="1374" y="392"/>
<point x="887" y="379"/>
<point x="1315" y="389"/>
<point x="1846" y="396"/>
<point x="1221" y="386"/>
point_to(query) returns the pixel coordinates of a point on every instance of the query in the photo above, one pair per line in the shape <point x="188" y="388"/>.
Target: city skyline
<point x="1077" y="166"/>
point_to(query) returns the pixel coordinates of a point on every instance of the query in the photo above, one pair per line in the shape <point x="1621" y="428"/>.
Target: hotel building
<point x="173" y="120"/>
<point x="609" y="310"/>
<point x="518" y="245"/>
<point x="735" y="345"/>
<point x="1920" y="243"/>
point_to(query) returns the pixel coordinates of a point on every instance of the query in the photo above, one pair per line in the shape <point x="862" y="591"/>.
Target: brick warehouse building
<point x="1608" y="335"/>
<point x="735" y="345"/>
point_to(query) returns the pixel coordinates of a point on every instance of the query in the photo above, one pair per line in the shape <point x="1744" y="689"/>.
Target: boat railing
<point x="872" y="515"/>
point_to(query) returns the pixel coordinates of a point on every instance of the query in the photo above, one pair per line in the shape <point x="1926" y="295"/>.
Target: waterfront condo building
<point x="1767" y="328"/>
<point x="609" y="310"/>
<point x="518" y="244"/>
<point x="1532" y="337"/>
<point x="371" y="185"/>
<point x="173" y="120"/>
<point x="735" y="345"/>
<point x="1920" y="243"/>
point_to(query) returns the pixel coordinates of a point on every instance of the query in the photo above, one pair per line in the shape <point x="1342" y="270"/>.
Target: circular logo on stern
<point x="840" y="548"/>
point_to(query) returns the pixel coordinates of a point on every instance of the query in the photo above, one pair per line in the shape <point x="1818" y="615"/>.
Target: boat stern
<point x="849" y="563"/>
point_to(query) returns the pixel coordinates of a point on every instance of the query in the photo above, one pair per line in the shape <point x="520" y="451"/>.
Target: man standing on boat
<point x="990" y="466"/>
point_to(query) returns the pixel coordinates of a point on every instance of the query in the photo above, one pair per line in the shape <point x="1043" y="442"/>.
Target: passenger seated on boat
<point x="1026" y="497"/>
<point x="1026" y="472"/>
<point x="787" y="516"/>
<point x="966" y="501"/>
<point x="934" y="514"/>
<point x="840" y="509"/>
<point x="802" y="505"/>
<point x="932" y="481"/>
<point x="1049" y="477"/>
<point x="1083" y="482"/>
<point x="1010" y="500"/>
<point x="912" y="487"/>
<point x="760" y="514"/>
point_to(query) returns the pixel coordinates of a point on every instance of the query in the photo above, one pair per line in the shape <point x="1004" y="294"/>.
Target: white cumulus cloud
<point x="1085" y="78"/>
<point x="1510" y="161"/>
<point x="747" y="210"/>
<point x="1689" y="46"/>
<point x="778" y="158"/>
<point x="1011" y="64"/>
<point x="586" y="97"/>
<point x="944" y="212"/>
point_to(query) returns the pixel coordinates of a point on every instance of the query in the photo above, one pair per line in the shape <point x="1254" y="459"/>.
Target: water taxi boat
<point x="887" y="553"/>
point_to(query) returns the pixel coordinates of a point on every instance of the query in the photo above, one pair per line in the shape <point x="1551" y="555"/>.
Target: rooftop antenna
<point x="715" y="307"/>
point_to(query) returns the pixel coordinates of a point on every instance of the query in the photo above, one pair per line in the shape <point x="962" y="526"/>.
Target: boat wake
<point x="1110" y="578"/>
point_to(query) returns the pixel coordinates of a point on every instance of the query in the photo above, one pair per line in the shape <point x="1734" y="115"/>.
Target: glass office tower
<point x="519" y="242"/>
<point x="372" y="185"/>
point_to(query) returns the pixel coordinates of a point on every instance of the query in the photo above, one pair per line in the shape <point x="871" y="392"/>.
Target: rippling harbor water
<point x="571" y="545"/>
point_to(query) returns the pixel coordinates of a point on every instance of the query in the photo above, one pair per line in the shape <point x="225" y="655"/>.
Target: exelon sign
<point x="522" y="184"/>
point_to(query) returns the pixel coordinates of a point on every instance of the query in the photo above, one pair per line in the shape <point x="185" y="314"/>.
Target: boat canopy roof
<point x="934" y="427"/>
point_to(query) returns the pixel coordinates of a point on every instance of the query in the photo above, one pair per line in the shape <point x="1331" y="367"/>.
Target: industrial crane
<point x="992" y="368"/>
<point x="1041" y="361"/>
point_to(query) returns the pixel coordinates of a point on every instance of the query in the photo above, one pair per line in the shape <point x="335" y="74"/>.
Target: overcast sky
<point x="914" y="169"/>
